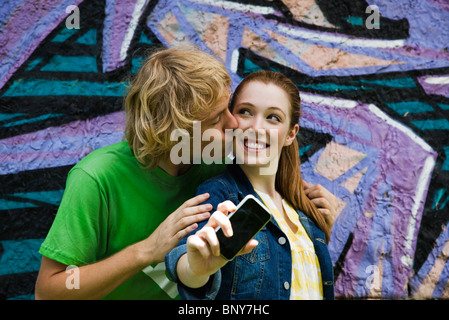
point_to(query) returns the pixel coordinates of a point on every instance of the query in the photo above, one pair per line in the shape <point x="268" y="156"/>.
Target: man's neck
<point x="174" y="169"/>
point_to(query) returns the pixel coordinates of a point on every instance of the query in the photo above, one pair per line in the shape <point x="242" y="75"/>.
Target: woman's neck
<point x="260" y="182"/>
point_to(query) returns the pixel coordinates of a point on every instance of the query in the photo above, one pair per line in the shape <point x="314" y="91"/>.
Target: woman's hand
<point x="203" y="249"/>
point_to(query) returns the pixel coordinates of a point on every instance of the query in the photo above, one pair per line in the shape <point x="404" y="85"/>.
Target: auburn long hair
<point x="288" y="176"/>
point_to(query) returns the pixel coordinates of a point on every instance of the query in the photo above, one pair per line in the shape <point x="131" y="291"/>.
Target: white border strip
<point x="237" y="6"/>
<point x="419" y="195"/>
<point x="437" y="80"/>
<point x="138" y="9"/>
<point x="367" y="43"/>
<point x="421" y="186"/>
<point x="332" y="102"/>
<point x="400" y="127"/>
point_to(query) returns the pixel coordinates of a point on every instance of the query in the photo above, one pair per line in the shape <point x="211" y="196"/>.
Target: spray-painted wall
<point x="374" y="130"/>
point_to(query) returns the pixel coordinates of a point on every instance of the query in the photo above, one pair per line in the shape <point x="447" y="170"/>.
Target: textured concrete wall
<point x="374" y="131"/>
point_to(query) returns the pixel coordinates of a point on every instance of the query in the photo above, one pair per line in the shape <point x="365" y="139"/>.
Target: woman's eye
<point x="245" y="112"/>
<point x="274" y="118"/>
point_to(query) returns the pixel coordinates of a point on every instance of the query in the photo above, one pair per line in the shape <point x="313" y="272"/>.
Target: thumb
<point x="249" y="246"/>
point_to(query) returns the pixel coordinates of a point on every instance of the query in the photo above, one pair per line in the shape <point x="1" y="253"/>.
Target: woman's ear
<point x="291" y="135"/>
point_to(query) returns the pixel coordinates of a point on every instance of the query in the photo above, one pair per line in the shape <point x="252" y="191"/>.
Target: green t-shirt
<point x="111" y="202"/>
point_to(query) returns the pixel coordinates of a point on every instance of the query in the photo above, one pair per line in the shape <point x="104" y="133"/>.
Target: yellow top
<point x="306" y="274"/>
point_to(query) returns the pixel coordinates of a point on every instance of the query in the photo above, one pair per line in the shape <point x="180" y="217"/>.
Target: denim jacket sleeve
<point x="233" y="185"/>
<point x="208" y="292"/>
<point x="218" y="192"/>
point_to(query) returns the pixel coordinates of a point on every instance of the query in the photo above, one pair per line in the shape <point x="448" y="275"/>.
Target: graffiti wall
<point x="374" y="82"/>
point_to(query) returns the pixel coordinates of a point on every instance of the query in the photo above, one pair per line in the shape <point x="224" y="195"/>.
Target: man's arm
<point x="95" y="280"/>
<point x="98" y="279"/>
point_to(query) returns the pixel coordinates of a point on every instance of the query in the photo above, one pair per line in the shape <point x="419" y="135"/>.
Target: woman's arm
<point x="203" y="249"/>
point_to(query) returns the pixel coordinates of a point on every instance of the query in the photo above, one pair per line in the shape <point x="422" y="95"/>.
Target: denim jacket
<point x="265" y="272"/>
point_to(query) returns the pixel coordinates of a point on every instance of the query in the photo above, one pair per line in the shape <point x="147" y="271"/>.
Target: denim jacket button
<point x="282" y="241"/>
<point x="286" y="285"/>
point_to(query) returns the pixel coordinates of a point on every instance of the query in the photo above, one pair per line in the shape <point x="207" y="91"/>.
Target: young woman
<point x="287" y="259"/>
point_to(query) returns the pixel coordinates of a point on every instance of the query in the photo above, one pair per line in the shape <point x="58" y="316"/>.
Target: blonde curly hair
<point x="173" y="88"/>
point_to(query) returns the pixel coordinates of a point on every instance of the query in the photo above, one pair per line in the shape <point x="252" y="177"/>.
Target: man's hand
<point x="323" y="200"/>
<point x="175" y="227"/>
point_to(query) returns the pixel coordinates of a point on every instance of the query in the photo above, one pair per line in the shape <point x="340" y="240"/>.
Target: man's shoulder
<point x="107" y="158"/>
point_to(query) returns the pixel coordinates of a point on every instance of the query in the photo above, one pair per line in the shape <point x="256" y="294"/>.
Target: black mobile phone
<point x="247" y="220"/>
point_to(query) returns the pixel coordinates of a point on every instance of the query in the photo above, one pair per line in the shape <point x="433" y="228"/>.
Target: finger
<point x="197" y="243"/>
<point x="188" y="211"/>
<point x="195" y="200"/>
<point x="321" y="203"/>
<point x="226" y="206"/>
<point x="220" y="219"/>
<point x="319" y="191"/>
<point x="249" y="246"/>
<point x="325" y="194"/>
<point x="187" y="216"/>
<point x="325" y="213"/>
<point x="208" y="234"/>
<point x="184" y="232"/>
<point x="183" y="220"/>
<point x="328" y="216"/>
<point x="182" y="227"/>
<point x="306" y="184"/>
<point x="315" y="191"/>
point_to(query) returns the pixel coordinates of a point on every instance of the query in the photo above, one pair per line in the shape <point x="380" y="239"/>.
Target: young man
<point x="127" y="205"/>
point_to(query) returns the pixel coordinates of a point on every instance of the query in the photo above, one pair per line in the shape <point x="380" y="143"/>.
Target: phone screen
<point x="247" y="220"/>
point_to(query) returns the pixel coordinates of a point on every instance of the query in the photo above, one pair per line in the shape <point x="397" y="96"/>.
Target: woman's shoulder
<point x="220" y="188"/>
<point x="224" y="178"/>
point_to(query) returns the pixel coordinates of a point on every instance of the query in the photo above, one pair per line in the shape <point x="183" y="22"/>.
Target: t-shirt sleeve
<point x="78" y="235"/>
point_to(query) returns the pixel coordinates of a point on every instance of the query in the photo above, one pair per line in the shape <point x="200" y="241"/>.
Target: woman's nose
<point x="257" y="123"/>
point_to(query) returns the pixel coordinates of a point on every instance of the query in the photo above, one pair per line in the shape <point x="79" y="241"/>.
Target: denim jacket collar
<point x="244" y="188"/>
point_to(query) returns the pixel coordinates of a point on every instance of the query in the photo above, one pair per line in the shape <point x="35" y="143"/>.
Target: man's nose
<point x="230" y="121"/>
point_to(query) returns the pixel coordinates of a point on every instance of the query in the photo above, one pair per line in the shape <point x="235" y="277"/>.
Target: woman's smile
<point x="255" y="145"/>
